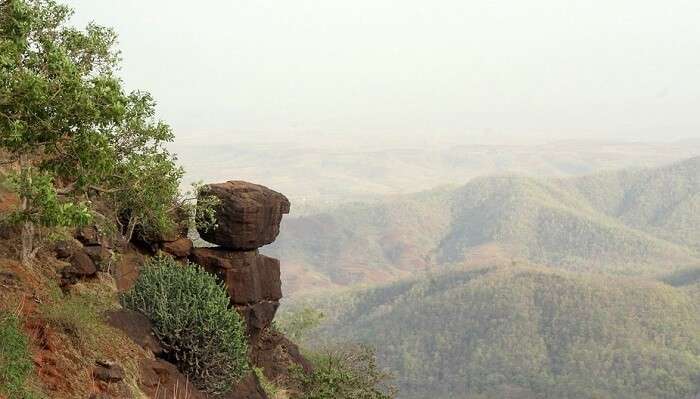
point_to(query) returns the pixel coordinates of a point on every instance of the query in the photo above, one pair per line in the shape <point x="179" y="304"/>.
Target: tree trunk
<point x="27" y="252"/>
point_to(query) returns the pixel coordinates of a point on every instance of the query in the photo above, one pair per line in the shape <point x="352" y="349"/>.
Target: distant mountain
<point x="644" y="222"/>
<point x="320" y="175"/>
<point x="526" y="332"/>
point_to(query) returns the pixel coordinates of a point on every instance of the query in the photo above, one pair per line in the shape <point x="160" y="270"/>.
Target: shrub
<point x="348" y="372"/>
<point x="191" y="316"/>
<point x="15" y="361"/>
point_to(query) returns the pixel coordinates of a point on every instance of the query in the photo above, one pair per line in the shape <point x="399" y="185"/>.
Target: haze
<point x="415" y="71"/>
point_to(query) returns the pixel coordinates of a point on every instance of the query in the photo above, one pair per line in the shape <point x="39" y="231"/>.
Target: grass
<point x="16" y="367"/>
<point x="271" y="389"/>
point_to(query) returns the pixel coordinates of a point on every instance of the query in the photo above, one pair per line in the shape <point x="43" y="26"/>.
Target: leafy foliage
<point x="16" y="365"/>
<point x="641" y="222"/>
<point x="526" y="332"/>
<point x="191" y="316"/>
<point x="78" y="137"/>
<point x="348" y="372"/>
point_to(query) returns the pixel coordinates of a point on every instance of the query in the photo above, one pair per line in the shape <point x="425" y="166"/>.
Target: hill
<point x="627" y="222"/>
<point x="321" y="175"/>
<point x="527" y="332"/>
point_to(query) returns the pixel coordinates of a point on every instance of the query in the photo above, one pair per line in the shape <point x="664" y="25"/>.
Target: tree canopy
<point x="78" y="137"/>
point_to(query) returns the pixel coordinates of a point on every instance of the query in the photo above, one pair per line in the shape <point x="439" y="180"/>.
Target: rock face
<point x="248" y="215"/>
<point x="249" y="276"/>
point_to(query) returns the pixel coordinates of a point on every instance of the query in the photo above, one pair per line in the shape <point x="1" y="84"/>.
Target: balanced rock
<point x="249" y="276"/>
<point x="248" y="215"/>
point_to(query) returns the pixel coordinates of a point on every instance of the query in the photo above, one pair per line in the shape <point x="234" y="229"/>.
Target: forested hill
<point x="527" y="332"/>
<point x="628" y="222"/>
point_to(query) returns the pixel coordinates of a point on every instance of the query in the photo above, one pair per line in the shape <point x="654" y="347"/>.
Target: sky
<point x="412" y="71"/>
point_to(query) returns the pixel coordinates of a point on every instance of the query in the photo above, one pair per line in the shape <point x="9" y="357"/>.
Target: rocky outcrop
<point x="248" y="215"/>
<point x="249" y="276"/>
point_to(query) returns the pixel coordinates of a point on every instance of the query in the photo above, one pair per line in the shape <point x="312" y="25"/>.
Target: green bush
<point x="191" y="316"/>
<point x="347" y="372"/>
<point x="15" y="361"/>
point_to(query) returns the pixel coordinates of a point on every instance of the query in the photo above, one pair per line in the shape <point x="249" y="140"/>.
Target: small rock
<point x="81" y="266"/>
<point x="64" y="249"/>
<point x="108" y="372"/>
<point x="98" y="253"/>
<point x="180" y="248"/>
<point x="8" y="279"/>
<point x="137" y="327"/>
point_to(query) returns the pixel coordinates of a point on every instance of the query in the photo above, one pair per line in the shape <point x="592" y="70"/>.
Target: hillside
<point x="627" y="222"/>
<point x="323" y="174"/>
<point x="525" y="332"/>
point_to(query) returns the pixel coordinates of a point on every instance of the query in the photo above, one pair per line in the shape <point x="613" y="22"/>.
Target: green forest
<point x="629" y="222"/>
<point x="525" y="332"/>
<point x="581" y="288"/>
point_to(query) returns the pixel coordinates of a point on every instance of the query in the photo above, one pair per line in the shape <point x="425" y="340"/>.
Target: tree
<point x="76" y="136"/>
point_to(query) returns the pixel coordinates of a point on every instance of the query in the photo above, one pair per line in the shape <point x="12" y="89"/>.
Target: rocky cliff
<point x="248" y="217"/>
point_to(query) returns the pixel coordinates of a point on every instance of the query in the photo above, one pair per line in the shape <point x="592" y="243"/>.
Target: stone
<point x="64" y="249"/>
<point x="248" y="387"/>
<point x="249" y="276"/>
<point x="88" y="235"/>
<point x="137" y="327"/>
<point x="248" y="216"/>
<point x="160" y="379"/>
<point x="98" y="253"/>
<point x="108" y="372"/>
<point x="81" y="266"/>
<point x="277" y="356"/>
<point x="179" y="248"/>
<point x="258" y="317"/>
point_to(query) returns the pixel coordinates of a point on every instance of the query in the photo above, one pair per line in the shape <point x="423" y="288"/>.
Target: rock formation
<point x="248" y="217"/>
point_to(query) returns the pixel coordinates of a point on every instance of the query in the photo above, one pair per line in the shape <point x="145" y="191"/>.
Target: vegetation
<point x="528" y="332"/>
<point x="77" y="137"/>
<point x="191" y="316"/>
<point x="643" y="222"/>
<point x="349" y="372"/>
<point x="16" y="365"/>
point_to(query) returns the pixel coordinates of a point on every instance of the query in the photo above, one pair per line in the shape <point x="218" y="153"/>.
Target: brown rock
<point x="162" y="380"/>
<point x="258" y="317"/>
<point x="249" y="276"/>
<point x="127" y="268"/>
<point x="179" y="248"/>
<point x="81" y="266"/>
<point x="64" y="249"/>
<point x="108" y="372"/>
<point x="98" y="253"/>
<point x="248" y="216"/>
<point x="276" y="355"/>
<point x="137" y="327"/>
<point x="88" y="235"/>
<point x="247" y="388"/>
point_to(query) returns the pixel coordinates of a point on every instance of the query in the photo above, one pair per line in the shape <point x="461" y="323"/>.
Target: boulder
<point x="81" y="266"/>
<point x="108" y="372"/>
<point x="137" y="327"/>
<point x="160" y="380"/>
<point x="258" y="317"/>
<point x="249" y="276"/>
<point x="179" y="248"/>
<point x="64" y="249"/>
<point x="248" y="215"/>
<point x="247" y="388"/>
<point x="277" y="356"/>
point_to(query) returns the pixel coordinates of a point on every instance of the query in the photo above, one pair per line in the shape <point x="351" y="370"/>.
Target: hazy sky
<point x="415" y="68"/>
